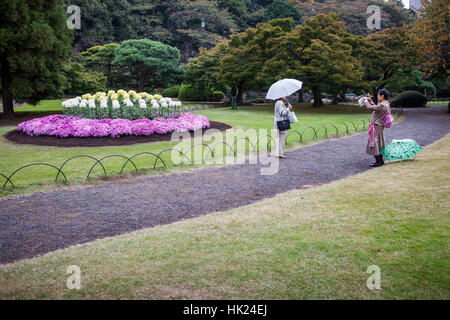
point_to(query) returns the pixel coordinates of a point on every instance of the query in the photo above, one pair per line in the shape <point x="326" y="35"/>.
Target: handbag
<point x="283" y="125"/>
<point x="292" y="117"/>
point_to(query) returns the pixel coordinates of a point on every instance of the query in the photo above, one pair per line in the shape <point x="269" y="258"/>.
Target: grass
<point x="304" y="244"/>
<point x="41" y="178"/>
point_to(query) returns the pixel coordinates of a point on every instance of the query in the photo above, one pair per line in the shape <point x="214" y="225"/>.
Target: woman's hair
<point x="384" y="92"/>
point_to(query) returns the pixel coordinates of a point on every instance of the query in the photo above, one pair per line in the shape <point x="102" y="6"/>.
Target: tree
<point x="195" y="24"/>
<point x="80" y="81"/>
<point x="241" y="67"/>
<point x="102" y="22"/>
<point x="430" y="35"/>
<point x="317" y="54"/>
<point x="388" y="54"/>
<point x="204" y="70"/>
<point x="410" y="81"/>
<point x="279" y="9"/>
<point x="153" y="63"/>
<point x="100" y="59"/>
<point x="35" y="43"/>
<point x="354" y="13"/>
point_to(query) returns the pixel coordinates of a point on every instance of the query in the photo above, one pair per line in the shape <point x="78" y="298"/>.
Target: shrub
<point x="172" y="92"/>
<point x="409" y="99"/>
<point x="256" y="100"/>
<point x="79" y="80"/>
<point x="218" y="96"/>
<point x="189" y="92"/>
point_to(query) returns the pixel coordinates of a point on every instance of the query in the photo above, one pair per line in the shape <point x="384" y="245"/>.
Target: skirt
<point x="379" y="144"/>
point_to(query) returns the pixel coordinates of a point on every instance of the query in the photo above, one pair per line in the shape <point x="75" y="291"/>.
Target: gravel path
<point x="43" y="222"/>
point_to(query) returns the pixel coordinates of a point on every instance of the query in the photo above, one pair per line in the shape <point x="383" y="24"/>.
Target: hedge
<point x="409" y="99"/>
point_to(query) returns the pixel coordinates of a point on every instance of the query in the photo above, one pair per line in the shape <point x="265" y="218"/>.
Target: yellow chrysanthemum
<point x="138" y="97"/>
<point x="158" y="97"/>
<point x="114" y="96"/>
<point x="110" y="93"/>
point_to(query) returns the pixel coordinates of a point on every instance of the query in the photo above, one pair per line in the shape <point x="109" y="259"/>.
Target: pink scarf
<point x="372" y="134"/>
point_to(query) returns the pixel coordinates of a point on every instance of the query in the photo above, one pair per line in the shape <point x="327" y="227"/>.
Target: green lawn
<point x="41" y="178"/>
<point x="303" y="244"/>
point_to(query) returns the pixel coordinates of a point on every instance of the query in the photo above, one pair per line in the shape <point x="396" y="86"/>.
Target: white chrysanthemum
<point x="83" y="104"/>
<point x="115" y="104"/>
<point x="92" y="103"/>
<point x="153" y="101"/>
<point x="164" y="105"/>
<point x="172" y="104"/>
<point x="142" y="106"/>
<point x="178" y="103"/>
<point x="168" y="99"/>
<point x="129" y="104"/>
<point x="155" y="105"/>
<point x="103" y="104"/>
<point x="79" y="99"/>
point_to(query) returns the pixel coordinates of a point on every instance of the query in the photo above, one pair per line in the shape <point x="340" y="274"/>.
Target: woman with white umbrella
<point x="281" y="114"/>
<point x="278" y="92"/>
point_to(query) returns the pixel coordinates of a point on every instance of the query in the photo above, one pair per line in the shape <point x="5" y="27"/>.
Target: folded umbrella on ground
<point x="401" y="149"/>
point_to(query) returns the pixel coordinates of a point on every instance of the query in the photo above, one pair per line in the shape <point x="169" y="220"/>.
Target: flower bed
<point x="63" y="126"/>
<point x="122" y="105"/>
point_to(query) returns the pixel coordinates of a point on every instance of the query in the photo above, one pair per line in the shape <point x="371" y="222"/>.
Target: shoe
<point x="378" y="161"/>
<point x="376" y="164"/>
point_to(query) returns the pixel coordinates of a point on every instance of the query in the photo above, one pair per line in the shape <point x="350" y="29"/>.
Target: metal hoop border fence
<point x="397" y="113"/>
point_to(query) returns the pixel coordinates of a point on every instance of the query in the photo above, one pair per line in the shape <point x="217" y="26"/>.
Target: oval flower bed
<point x="70" y="126"/>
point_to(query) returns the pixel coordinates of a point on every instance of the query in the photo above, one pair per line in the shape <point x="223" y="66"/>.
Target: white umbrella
<point x="283" y="88"/>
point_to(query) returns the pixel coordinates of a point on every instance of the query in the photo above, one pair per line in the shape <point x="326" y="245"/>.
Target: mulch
<point x="22" y="138"/>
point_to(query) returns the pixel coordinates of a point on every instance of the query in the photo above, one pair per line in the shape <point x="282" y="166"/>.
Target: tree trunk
<point x="375" y="95"/>
<point x="317" y="97"/>
<point x="7" y="99"/>
<point x="335" y="99"/>
<point x="300" y="96"/>
<point x="240" y="95"/>
<point x="141" y="81"/>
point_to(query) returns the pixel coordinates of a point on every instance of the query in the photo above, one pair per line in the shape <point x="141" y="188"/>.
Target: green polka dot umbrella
<point x="401" y="149"/>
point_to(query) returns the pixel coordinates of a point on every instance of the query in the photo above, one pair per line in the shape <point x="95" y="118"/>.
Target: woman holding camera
<point x="376" y="130"/>
<point x="281" y="113"/>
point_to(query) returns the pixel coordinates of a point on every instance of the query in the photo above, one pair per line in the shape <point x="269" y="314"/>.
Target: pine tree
<point x="35" y="44"/>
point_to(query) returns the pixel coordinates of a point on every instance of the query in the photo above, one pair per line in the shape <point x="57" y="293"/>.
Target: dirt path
<point x="44" y="222"/>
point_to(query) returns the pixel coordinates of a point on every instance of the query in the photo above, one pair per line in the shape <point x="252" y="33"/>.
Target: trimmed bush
<point x="218" y="96"/>
<point x="171" y="92"/>
<point x="190" y="93"/>
<point x="409" y="99"/>
<point x="256" y="100"/>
